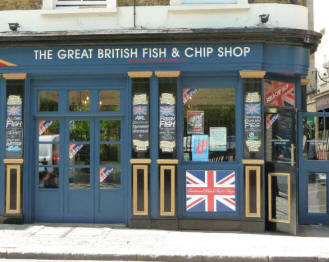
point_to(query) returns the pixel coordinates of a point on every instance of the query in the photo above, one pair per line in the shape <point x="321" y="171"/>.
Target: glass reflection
<point x="110" y="130"/>
<point x="109" y="100"/>
<point x="316" y="138"/>
<point x="49" y="154"/>
<point x="49" y="130"/>
<point x="48" y="101"/>
<point x="79" y="178"/>
<point x="79" y="154"/>
<point x="79" y="100"/>
<point x="280" y="197"/>
<point x="317" y="193"/>
<point x="79" y="130"/>
<point x="109" y="154"/>
<point x="109" y="177"/>
<point x="48" y="177"/>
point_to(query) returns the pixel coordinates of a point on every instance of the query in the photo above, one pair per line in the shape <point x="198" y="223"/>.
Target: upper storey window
<point x="80" y="2"/>
<point x="76" y="4"/>
<point x="205" y="4"/>
<point x="209" y="1"/>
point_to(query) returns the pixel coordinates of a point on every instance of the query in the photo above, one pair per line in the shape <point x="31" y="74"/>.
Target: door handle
<point x="293" y="162"/>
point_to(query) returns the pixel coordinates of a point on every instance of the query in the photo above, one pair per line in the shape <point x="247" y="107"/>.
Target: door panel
<point x="280" y="169"/>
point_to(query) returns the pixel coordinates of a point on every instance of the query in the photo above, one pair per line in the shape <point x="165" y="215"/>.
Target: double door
<point x="81" y="176"/>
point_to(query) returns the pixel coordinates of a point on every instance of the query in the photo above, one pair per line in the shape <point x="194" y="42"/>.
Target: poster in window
<point x="167" y="122"/>
<point x="277" y="93"/>
<point x="14" y="127"/>
<point x="200" y="148"/>
<point x="140" y="123"/>
<point x="218" y="139"/>
<point x="195" y="122"/>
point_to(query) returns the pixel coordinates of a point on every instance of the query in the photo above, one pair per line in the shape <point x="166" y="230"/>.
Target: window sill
<point x="78" y="10"/>
<point x="206" y="7"/>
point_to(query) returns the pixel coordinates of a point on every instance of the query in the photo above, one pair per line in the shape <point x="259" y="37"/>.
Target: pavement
<point x="116" y="242"/>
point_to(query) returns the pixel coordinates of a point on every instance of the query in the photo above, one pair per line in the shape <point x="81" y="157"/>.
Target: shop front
<point x="194" y="136"/>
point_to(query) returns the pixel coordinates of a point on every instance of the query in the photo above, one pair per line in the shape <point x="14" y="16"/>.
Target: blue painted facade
<point x="105" y="67"/>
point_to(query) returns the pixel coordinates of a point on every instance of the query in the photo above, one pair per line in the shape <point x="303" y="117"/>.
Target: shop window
<point x="109" y="177"/>
<point x="48" y="101"/>
<point x="79" y="101"/>
<point x="277" y="93"/>
<point x="316" y="138"/>
<point x="317" y="193"/>
<point x="49" y="153"/>
<point x="209" y="124"/>
<point x="109" y="100"/>
<point x="140" y="118"/>
<point x="110" y="130"/>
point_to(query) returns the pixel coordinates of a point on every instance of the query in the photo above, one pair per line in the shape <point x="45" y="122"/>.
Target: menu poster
<point x="252" y="123"/>
<point x="195" y="122"/>
<point x="14" y="128"/>
<point x="140" y="123"/>
<point x="218" y="139"/>
<point x="167" y="123"/>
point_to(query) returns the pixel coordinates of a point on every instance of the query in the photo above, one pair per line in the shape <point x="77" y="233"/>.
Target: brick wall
<point x="20" y="4"/>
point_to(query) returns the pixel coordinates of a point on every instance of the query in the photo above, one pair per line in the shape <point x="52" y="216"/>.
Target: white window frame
<point x="53" y="4"/>
<point x="208" y="2"/>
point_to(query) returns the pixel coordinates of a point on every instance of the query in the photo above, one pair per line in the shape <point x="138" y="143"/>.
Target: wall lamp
<point x="264" y="18"/>
<point x="13" y="26"/>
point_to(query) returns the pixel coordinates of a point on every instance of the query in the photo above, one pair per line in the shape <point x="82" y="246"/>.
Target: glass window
<point x="316" y="138"/>
<point x="208" y="1"/>
<point x="277" y="93"/>
<point x="109" y="100"/>
<point x="79" y="130"/>
<point x="317" y="193"/>
<point x="79" y="154"/>
<point x="48" y="101"/>
<point x="209" y="124"/>
<point x="109" y="177"/>
<point x="79" y="178"/>
<point x="109" y="154"/>
<point x="79" y="100"/>
<point x="110" y="130"/>
<point x="48" y="130"/>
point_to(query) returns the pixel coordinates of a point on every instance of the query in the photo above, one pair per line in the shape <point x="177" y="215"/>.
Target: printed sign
<point x="74" y="149"/>
<point x="104" y="172"/>
<point x="188" y="93"/>
<point x="195" y="122"/>
<point x="277" y="93"/>
<point x="167" y="123"/>
<point x="218" y="139"/>
<point x="14" y="127"/>
<point x="140" y="123"/>
<point x="44" y="125"/>
<point x="200" y="148"/>
<point x="210" y="191"/>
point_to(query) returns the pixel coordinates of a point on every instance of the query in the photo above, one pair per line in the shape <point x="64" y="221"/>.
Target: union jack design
<point x="140" y="110"/>
<point x="104" y="172"/>
<point x="188" y="93"/>
<point x="14" y="110"/>
<point x="210" y="191"/>
<point x="270" y="119"/>
<point x="167" y="110"/>
<point x="252" y="109"/>
<point x="44" y="125"/>
<point x="6" y="63"/>
<point x="279" y="93"/>
<point x="73" y="149"/>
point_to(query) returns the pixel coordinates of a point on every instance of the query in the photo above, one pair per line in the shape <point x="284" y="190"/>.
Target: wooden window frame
<point x="172" y="211"/>
<point x="144" y="212"/>
<point x="18" y="189"/>
<point x="258" y="191"/>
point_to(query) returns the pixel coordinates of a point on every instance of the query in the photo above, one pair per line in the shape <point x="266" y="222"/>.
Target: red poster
<point x="277" y="93"/>
<point x="195" y="121"/>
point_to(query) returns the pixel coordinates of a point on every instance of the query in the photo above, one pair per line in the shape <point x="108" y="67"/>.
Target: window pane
<point x="109" y="154"/>
<point x="109" y="177"/>
<point x="79" y="178"/>
<point x="315" y="138"/>
<point x="79" y="130"/>
<point x="277" y="93"/>
<point x="317" y="193"/>
<point x="109" y="100"/>
<point x="79" y="100"/>
<point x="209" y="124"/>
<point x="208" y="1"/>
<point x="110" y="130"/>
<point x="48" y="101"/>
<point x="79" y="154"/>
<point x="280" y="197"/>
<point x="49" y="130"/>
<point x="48" y="177"/>
<point x="48" y="154"/>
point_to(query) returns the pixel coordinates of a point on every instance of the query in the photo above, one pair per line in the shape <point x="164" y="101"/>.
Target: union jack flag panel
<point x="210" y="191"/>
<point x="277" y="93"/>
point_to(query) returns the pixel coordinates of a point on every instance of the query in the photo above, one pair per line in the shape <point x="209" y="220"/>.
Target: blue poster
<point x="200" y="147"/>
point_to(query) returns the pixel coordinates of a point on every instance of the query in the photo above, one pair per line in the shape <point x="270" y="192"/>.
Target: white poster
<point x="218" y="139"/>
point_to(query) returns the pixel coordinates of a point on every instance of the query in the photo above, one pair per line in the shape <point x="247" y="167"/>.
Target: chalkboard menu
<point x="14" y="128"/>
<point x="167" y="123"/>
<point x="253" y="128"/>
<point x="140" y="123"/>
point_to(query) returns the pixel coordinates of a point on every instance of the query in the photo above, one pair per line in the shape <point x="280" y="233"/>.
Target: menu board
<point x="140" y="123"/>
<point x="14" y="128"/>
<point x="167" y="123"/>
<point x="252" y="125"/>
